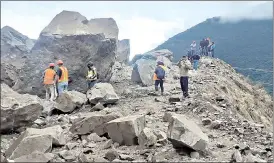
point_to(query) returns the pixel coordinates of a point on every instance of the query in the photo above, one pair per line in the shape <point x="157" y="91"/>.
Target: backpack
<point x="160" y="73"/>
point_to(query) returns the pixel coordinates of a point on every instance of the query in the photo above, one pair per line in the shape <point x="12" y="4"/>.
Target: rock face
<point x="14" y="43"/>
<point x="126" y="130"/>
<point x="123" y="51"/>
<point x="82" y="48"/>
<point x="143" y="72"/>
<point x="32" y="140"/>
<point x="103" y="93"/>
<point x="73" y="23"/>
<point x="92" y="122"/>
<point x="18" y="110"/>
<point x="14" y="46"/>
<point x="185" y="133"/>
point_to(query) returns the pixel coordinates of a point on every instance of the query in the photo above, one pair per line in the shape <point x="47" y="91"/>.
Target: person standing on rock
<point x="184" y="65"/>
<point x="193" y="48"/>
<point x="91" y="75"/>
<point x="49" y="77"/>
<point x="159" y="76"/>
<point x="212" y="48"/>
<point x="62" y="73"/>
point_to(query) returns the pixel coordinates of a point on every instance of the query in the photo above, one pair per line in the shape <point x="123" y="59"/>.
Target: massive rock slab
<point x="18" y="110"/>
<point x="182" y="132"/>
<point x="32" y="140"/>
<point x="76" y="41"/>
<point x="123" y="51"/>
<point x="103" y="93"/>
<point x="82" y="48"/>
<point x="126" y="130"/>
<point x="92" y="122"/>
<point x="73" y="23"/>
<point x="143" y="71"/>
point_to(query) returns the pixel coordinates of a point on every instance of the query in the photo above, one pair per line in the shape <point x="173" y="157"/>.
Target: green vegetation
<point x="244" y="44"/>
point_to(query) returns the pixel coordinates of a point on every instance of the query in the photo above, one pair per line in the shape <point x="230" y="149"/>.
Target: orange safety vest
<point x="49" y="76"/>
<point x="64" y="77"/>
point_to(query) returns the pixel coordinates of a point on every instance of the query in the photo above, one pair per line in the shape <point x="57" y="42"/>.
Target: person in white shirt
<point x="193" y="47"/>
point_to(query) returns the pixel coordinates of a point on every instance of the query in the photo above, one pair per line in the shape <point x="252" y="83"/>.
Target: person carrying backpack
<point x="91" y="76"/>
<point x="195" y="59"/>
<point x="159" y="76"/>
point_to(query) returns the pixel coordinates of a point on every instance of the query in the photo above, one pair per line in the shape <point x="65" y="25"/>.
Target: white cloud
<point x="144" y="33"/>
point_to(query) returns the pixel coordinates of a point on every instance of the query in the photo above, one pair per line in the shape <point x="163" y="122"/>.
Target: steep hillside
<point x="244" y="44"/>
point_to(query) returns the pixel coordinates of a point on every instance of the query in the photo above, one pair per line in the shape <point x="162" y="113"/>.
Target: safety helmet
<point x="59" y="62"/>
<point x="90" y="64"/>
<point x="51" y="65"/>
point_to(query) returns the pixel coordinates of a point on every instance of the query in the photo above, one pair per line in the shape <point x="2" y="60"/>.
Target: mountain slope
<point x="244" y="44"/>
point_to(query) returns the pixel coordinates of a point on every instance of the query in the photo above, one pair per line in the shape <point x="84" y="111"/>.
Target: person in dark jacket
<point x="195" y="59"/>
<point x="159" y="76"/>
<point x="206" y="45"/>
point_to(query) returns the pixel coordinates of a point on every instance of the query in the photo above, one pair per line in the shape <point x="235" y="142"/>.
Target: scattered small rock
<point x="111" y="155"/>
<point x="206" y="121"/>
<point x="107" y="144"/>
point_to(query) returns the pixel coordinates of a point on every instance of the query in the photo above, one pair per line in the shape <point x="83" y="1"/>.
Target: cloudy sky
<point x="147" y="24"/>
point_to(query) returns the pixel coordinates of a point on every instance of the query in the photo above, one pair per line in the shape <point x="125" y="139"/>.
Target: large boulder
<point x="183" y="132"/>
<point x="123" y="51"/>
<point x="32" y="140"/>
<point x="73" y="23"/>
<point x="103" y="93"/>
<point x="143" y="71"/>
<point x="163" y="55"/>
<point x="18" y="110"/>
<point x="92" y="122"/>
<point x="126" y="130"/>
<point x="67" y="44"/>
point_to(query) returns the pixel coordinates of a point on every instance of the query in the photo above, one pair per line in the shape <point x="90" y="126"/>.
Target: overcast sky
<point x="147" y="24"/>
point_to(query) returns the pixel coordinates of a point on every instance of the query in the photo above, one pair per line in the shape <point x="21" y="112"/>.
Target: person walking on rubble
<point x="62" y="73"/>
<point x="49" y="78"/>
<point x="195" y="59"/>
<point x="159" y="76"/>
<point x="184" y="65"/>
<point x="91" y="75"/>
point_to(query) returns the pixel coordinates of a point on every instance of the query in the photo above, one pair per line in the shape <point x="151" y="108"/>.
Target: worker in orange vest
<point x="49" y="82"/>
<point x="62" y="73"/>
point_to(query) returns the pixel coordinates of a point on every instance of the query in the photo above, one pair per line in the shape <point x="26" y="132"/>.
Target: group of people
<point x="206" y="48"/>
<point x="160" y="73"/>
<point x="56" y="80"/>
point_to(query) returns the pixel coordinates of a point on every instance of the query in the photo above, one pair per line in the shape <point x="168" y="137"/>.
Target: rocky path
<point x="83" y="136"/>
